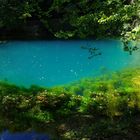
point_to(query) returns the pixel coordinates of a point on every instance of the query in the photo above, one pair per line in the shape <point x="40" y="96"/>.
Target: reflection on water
<point x="23" y="136"/>
<point x="49" y="63"/>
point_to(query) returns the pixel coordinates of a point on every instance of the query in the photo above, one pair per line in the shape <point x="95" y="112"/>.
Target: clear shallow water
<point x="50" y="63"/>
<point x="23" y="136"/>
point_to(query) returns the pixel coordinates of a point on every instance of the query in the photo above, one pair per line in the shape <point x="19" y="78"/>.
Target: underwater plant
<point x="92" y="107"/>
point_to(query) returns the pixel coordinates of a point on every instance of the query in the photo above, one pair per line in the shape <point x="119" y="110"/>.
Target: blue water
<point x="50" y="63"/>
<point x="23" y="136"/>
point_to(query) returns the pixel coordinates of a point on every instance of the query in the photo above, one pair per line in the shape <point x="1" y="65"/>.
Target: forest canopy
<point x="69" y="19"/>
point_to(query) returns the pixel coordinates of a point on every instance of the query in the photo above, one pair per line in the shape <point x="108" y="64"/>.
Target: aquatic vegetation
<point x="110" y="100"/>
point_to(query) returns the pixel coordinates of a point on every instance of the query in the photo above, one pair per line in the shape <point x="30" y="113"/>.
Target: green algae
<point x="90" y="108"/>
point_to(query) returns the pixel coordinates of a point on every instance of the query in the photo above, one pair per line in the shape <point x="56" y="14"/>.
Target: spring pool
<point x="51" y="63"/>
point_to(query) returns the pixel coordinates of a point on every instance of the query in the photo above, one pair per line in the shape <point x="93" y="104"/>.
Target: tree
<point x="74" y="18"/>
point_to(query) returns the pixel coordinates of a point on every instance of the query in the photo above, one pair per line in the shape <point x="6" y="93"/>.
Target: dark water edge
<point x="6" y="135"/>
<point x="17" y="34"/>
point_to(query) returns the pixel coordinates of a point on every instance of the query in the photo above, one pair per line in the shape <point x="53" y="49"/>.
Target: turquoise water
<point x="50" y="63"/>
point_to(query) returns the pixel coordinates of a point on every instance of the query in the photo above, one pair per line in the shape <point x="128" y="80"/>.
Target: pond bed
<point x="88" y="108"/>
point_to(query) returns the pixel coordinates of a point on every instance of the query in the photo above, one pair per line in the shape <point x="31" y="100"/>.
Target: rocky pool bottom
<point x="103" y="108"/>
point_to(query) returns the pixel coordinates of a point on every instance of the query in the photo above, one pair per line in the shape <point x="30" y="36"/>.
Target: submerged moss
<point x="98" y="108"/>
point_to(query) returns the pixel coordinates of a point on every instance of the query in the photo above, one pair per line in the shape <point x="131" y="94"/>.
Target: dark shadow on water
<point x="6" y="135"/>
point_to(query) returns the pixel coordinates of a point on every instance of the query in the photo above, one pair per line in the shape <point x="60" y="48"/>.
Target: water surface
<point x="50" y="63"/>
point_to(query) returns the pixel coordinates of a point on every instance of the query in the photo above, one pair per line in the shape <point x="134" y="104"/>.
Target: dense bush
<point x="68" y="18"/>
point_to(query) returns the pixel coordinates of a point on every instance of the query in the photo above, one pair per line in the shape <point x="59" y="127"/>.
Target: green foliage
<point x="74" y="19"/>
